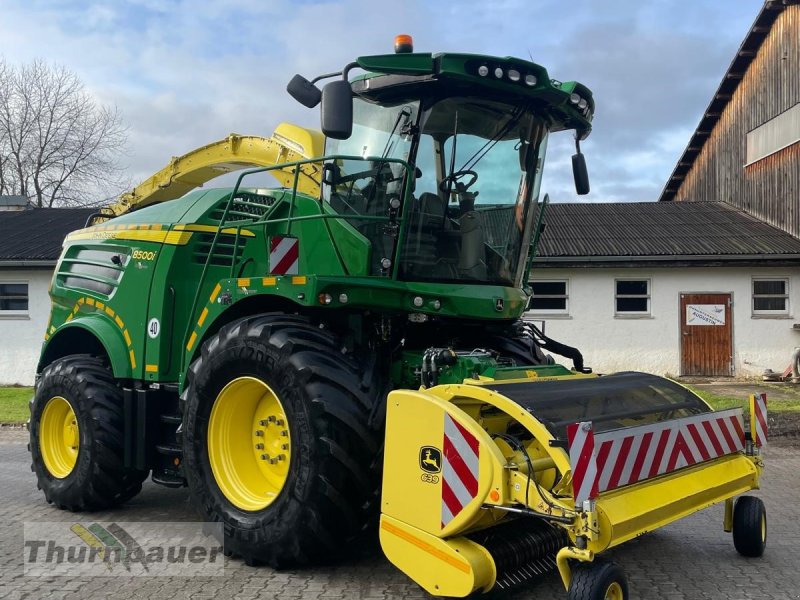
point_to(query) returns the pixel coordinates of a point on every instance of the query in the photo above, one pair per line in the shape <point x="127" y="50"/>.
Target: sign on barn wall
<point x="705" y="314"/>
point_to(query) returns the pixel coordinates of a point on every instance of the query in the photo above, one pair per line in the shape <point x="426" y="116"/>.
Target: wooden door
<point x="706" y="335"/>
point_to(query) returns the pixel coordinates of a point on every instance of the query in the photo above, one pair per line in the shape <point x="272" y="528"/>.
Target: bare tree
<point x="58" y="146"/>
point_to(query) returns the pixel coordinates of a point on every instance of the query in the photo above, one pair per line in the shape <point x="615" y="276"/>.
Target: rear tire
<point x="598" y="580"/>
<point x="86" y="473"/>
<point x="749" y="526"/>
<point x="327" y="489"/>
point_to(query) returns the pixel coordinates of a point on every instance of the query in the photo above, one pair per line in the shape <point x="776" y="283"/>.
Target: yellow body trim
<point x="454" y="567"/>
<point x="630" y="511"/>
<point x="171" y="238"/>
<point x="217" y="289"/>
<point x="119" y="322"/>
<point x="192" y="340"/>
<point x="203" y="316"/>
<point x="269" y="281"/>
<point x="127" y="337"/>
<point x="133" y="359"/>
<point x="151" y="368"/>
<point x="110" y="311"/>
<point x="425" y="546"/>
<point x="243" y="282"/>
<point x="213" y="229"/>
<point x="299" y="280"/>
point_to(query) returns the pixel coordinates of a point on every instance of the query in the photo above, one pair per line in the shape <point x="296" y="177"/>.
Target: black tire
<point x="594" y="581"/>
<point x="749" y="526"/>
<point x="98" y="480"/>
<point x="330" y="493"/>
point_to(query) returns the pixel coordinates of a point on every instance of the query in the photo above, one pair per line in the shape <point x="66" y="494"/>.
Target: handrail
<point x="265" y="219"/>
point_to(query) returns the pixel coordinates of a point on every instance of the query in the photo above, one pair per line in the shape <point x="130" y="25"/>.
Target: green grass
<point x="719" y="402"/>
<point x="14" y="404"/>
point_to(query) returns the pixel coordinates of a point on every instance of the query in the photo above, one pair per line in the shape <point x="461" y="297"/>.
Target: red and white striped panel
<point x="284" y="255"/>
<point x="583" y="460"/>
<point x="758" y="419"/>
<point x="461" y="452"/>
<point x="626" y="456"/>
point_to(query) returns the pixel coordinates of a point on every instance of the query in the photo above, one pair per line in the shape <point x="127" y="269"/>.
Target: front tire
<point x="76" y="436"/>
<point x="277" y="442"/>
<point x="749" y="526"/>
<point x="598" y="580"/>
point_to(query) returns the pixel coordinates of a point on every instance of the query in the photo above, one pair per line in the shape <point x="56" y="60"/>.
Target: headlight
<point x="530" y="80"/>
<point x="513" y="75"/>
<point x="483" y="70"/>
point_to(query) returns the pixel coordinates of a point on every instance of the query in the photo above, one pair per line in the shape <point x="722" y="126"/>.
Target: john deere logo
<point x="498" y="304"/>
<point x="430" y="459"/>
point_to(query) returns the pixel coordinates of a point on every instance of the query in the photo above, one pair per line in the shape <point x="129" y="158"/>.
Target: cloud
<point x="185" y="73"/>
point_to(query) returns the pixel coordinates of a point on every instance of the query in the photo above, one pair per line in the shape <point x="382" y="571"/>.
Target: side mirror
<point x="337" y="110"/>
<point x="305" y="92"/>
<point x="580" y="174"/>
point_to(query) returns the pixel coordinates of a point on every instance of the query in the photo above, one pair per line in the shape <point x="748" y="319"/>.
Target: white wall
<point x="21" y="337"/>
<point x="652" y="344"/>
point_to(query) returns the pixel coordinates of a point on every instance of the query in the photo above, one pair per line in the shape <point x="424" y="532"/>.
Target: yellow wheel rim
<point x="614" y="592"/>
<point x="249" y="446"/>
<point x="59" y="437"/>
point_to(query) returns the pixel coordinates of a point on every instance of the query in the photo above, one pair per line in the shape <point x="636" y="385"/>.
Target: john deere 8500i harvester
<point x="245" y="342"/>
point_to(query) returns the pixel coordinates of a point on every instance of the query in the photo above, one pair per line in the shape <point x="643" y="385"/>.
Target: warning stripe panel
<point x="460" y="461"/>
<point x="627" y="456"/>
<point x="284" y="255"/>
<point x="758" y="419"/>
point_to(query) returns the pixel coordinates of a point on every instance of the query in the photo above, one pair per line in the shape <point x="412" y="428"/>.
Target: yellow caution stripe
<point x="425" y="546"/>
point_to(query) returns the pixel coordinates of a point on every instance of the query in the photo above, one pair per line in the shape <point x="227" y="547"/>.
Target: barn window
<point x="632" y="297"/>
<point x="774" y="135"/>
<point x="550" y="296"/>
<point x="771" y="297"/>
<point x="13" y="298"/>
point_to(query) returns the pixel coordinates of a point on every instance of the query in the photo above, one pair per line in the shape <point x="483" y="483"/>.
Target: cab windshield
<point x="469" y="215"/>
<point x="466" y="211"/>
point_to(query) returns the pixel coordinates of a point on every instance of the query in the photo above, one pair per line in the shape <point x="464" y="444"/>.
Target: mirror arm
<point x="325" y="76"/>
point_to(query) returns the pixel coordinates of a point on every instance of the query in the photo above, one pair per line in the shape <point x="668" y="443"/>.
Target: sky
<point x="184" y="73"/>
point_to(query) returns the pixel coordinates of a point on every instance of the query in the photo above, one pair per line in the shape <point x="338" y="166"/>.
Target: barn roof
<point x="35" y="236"/>
<point x="730" y="81"/>
<point x="659" y="232"/>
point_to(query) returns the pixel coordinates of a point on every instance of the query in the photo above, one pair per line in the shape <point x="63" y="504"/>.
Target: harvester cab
<point x="455" y="143"/>
<point x="280" y="350"/>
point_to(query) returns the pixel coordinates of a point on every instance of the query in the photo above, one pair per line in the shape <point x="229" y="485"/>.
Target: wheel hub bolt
<point x="259" y="433"/>
<point x="284" y="433"/>
<point x="265" y="457"/>
<point x="259" y="446"/>
<point x="284" y="447"/>
<point x="263" y="423"/>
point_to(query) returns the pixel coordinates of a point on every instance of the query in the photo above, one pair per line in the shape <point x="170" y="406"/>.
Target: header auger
<point x="280" y="351"/>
